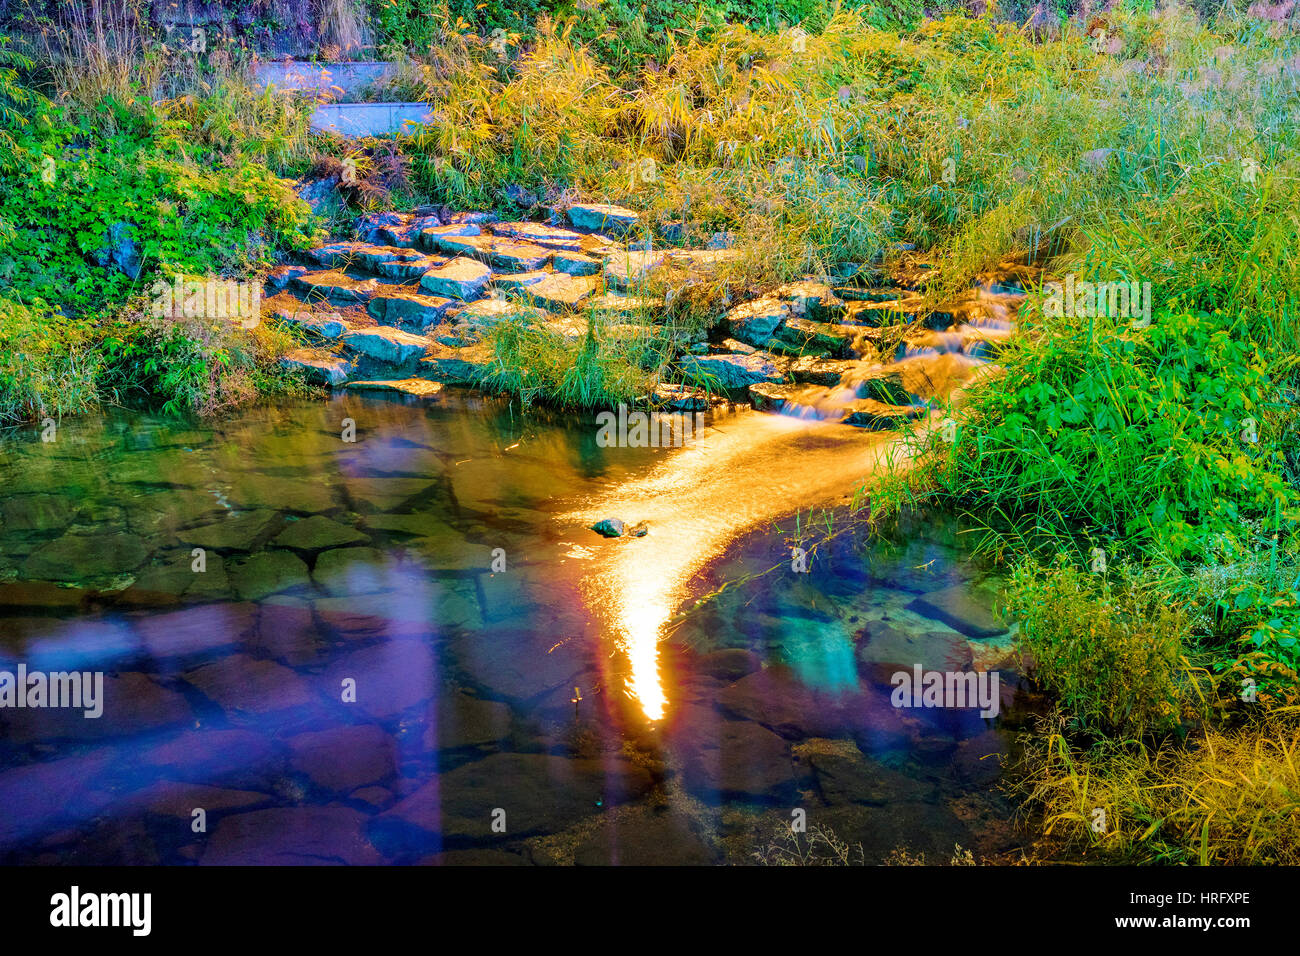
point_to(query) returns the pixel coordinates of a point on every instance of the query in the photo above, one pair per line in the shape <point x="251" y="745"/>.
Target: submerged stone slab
<point x="316" y="534"/>
<point x="961" y="609"/>
<point x="416" y="387"/>
<point x="461" y="278"/>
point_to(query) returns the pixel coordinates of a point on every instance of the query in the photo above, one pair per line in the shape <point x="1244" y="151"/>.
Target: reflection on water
<point x="747" y="470"/>
<point x="351" y="678"/>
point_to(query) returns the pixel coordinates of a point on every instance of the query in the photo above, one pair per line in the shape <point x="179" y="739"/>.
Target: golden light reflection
<point x="745" y="470"/>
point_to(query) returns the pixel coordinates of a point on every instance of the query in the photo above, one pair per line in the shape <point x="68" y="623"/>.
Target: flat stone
<point x="390" y="678"/>
<point x="540" y="793"/>
<point x="413" y="308"/>
<point x="243" y="759"/>
<point x="38" y="796"/>
<point x="755" y="322"/>
<point x="410" y="267"/>
<point x="37" y="512"/>
<point x="576" y="264"/>
<point x="344" y="758"/>
<point x="853" y="778"/>
<point x="462" y="721"/>
<point x="334" y="287"/>
<point x="254" y="490"/>
<point x="682" y="398"/>
<point x="461" y="278"/>
<point x="238" y="531"/>
<point x="660" y="839"/>
<point x="479" y="317"/>
<point x="961" y="608"/>
<point x="385" y="494"/>
<point x="730" y="664"/>
<point x="818" y="370"/>
<point x="345" y="571"/>
<point x="292" y="836"/>
<point x="811" y="299"/>
<point x="515" y="281"/>
<point x="177" y="800"/>
<point x="316" y="534"/>
<point x="336" y="254"/>
<point x="83" y="557"/>
<point x="414" y="387"/>
<point x="724" y="759"/>
<point x="504" y="254"/>
<point x="731" y="371"/>
<point x="600" y="217"/>
<point x="202" y="629"/>
<point x="429" y="238"/>
<point x="266" y="573"/>
<point x="767" y="397"/>
<point x="559" y="292"/>
<point x="318" y="367"/>
<point x="884" y="649"/>
<point x="463" y="365"/>
<point x="386" y="344"/>
<point x="540" y="234"/>
<point x="326" y="325"/>
<point x="132" y="704"/>
<point x="245" y="687"/>
<point x="804" y="336"/>
<point x="278" y="279"/>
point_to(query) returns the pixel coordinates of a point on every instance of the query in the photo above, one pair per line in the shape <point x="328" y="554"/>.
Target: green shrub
<point x="1110" y="651"/>
<point x="47" y="363"/>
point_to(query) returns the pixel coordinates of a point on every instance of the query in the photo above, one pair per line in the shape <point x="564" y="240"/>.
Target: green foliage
<point x="47" y="364"/>
<point x="1111" y="651"/>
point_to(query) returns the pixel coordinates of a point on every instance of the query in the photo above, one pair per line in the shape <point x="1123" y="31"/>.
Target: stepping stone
<point x="385" y="344"/>
<point x="499" y="253"/>
<point x="334" y="287"/>
<point x="417" y="387"/>
<point x="732" y="371"/>
<point x="408" y="234"/>
<point x="326" y="325"/>
<point x="871" y="414"/>
<point x="683" y="398"/>
<point x="540" y="234"/>
<point x="600" y="217"/>
<point x="576" y="264"/>
<point x="465" y="365"/>
<point x="559" y="292"/>
<point x="320" y="367"/>
<point x="410" y="267"/>
<point x="518" y="280"/>
<point x="412" y="308"/>
<point x="280" y="277"/>
<point x="755" y="322"/>
<point x="429" y="237"/>
<point x="461" y="278"/>
<point x="626" y="269"/>
<point x="336" y="254"/>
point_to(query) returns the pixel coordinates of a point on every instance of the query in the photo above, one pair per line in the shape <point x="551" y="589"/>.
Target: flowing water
<point x="411" y="648"/>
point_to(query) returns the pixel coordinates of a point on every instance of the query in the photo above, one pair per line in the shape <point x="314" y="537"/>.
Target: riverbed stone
<point x="851" y="778"/>
<point x="316" y="534"/>
<point x="730" y="664"/>
<point x="460" y="365"/>
<point x="324" y="325"/>
<point x="390" y="678"/>
<point x="343" y="758"/>
<point x="732" y="759"/>
<point x="238" y="758"/>
<point x="461" y="278"/>
<point x="38" y="796"/>
<point x="462" y="721"/>
<point x="883" y="649"/>
<point x="39" y="512"/>
<point x="655" y="839"/>
<point x="538" y="233"/>
<point x="755" y="322"/>
<point x="871" y="414"/>
<point x="267" y="573"/>
<point x="291" y="836"/>
<point x="576" y="264"/>
<point x="385" y="494"/>
<point x="541" y="793"/>
<point x="250" y="689"/>
<point x="559" y="292"/>
<point x="412" y="387"/>
<point x="962" y="608"/>
<point x="133" y="704"/>
<point x="802" y="336"/>
<point x="201" y="629"/>
<point x="278" y="278"/>
<point x="479" y="317"/>
<point x="75" y="557"/>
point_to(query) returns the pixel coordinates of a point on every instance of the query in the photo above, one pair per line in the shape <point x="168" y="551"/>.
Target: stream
<point x="411" y="648"/>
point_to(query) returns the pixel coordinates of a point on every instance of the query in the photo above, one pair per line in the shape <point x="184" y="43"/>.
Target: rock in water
<point x="609" y="528"/>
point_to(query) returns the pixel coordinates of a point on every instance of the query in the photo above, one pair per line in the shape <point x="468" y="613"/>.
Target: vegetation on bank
<point x="1140" y="479"/>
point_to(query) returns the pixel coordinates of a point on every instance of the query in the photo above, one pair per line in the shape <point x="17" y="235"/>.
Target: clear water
<point x="411" y="648"/>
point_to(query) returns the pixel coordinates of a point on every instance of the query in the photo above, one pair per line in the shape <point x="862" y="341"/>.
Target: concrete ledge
<point x="351" y="78"/>
<point x="369" y="119"/>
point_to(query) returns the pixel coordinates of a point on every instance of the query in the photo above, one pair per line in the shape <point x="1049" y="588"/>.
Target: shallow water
<point x="411" y="648"/>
